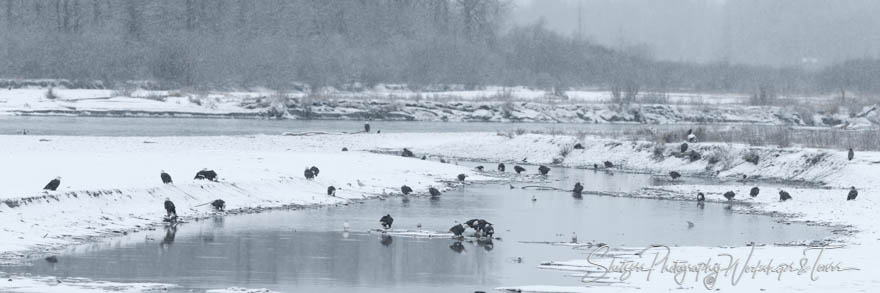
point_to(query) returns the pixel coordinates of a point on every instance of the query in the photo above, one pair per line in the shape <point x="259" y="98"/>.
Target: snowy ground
<point x="493" y="104"/>
<point x="111" y="185"/>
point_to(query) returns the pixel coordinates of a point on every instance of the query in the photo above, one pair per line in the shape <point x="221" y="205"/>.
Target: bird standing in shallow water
<point x="434" y="192"/>
<point x="578" y="189"/>
<point x="170" y="210"/>
<point x="461" y="177"/>
<point x="406" y="190"/>
<point x="386" y="221"/>
<point x="701" y="197"/>
<point x="853" y="193"/>
<point x="543" y="170"/>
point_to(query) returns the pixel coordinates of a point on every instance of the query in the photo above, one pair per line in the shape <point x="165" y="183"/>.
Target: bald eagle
<point x="684" y="147"/>
<point x="701" y="196"/>
<point x="315" y="171"/>
<point x="366" y="127"/>
<point x="206" y="174"/>
<point x="406" y="190"/>
<point x="218" y="204"/>
<point x="344" y="149"/>
<point x="729" y="195"/>
<point x="518" y="169"/>
<point x="851" y="154"/>
<point x="783" y="195"/>
<point x="170" y="211"/>
<point x="578" y="189"/>
<point x="501" y="167"/>
<point x="386" y="221"/>
<point x="165" y="177"/>
<point x="461" y="177"/>
<point x="754" y="192"/>
<point x="853" y="193"/>
<point x="479" y="168"/>
<point x="674" y="175"/>
<point x="407" y="153"/>
<point x="331" y="191"/>
<point x="488" y="231"/>
<point x="578" y="146"/>
<point x="53" y="184"/>
<point x="308" y="174"/>
<point x="434" y="192"/>
<point x="609" y="164"/>
<point x="457" y="230"/>
<point x="543" y="169"/>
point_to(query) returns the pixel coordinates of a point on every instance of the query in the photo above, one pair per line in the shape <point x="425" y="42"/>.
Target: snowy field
<point x="110" y="186"/>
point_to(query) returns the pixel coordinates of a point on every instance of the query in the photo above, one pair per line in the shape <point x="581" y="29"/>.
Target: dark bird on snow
<point x="424" y="157"/>
<point x="609" y="164"/>
<point x="407" y="153"/>
<point x="674" y="175"/>
<point x="595" y="166"/>
<point x="344" y="149"/>
<point x="170" y="211"/>
<point x="684" y="147"/>
<point x="701" y="197"/>
<point x="308" y="174"/>
<point x="457" y="230"/>
<point x="206" y="174"/>
<point x="331" y="191"/>
<point x="366" y="127"/>
<point x="479" y="168"/>
<point x="578" y="189"/>
<point x="165" y="177"/>
<point x="218" y="204"/>
<point x="543" y="169"/>
<point x="386" y="221"/>
<point x="434" y="192"/>
<point x="578" y="146"/>
<point x="406" y="190"/>
<point x="378" y="131"/>
<point x="729" y="195"/>
<point x="518" y="169"/>
<point x="315" y="171"/>
<point x="461" y="177"/>
<point x="525" y="160"/>
<point x="754" y="192"/>
<point x="853" y="193"/>
<point x="783" y="195"/>
<point x="442" y="161"/>
<point x="501" y="167"/>
<point x="851" y="154"/>
<point x="53" y="184"/>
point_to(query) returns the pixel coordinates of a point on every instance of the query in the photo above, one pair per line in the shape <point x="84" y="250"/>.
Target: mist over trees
<point x="285" y="43"/>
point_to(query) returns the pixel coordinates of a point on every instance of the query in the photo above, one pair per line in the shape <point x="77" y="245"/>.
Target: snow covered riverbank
<point x="490" y="105"/>
<point x="110" y="185"/>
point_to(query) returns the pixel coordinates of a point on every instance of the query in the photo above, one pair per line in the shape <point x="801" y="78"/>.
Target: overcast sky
<point x="774" y="32"/>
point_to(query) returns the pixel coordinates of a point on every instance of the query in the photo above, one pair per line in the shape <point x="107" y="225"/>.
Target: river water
<point x="308" y="250"/>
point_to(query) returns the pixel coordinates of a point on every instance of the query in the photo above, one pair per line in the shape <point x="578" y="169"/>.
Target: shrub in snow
<point x="751" y="157"/>
<point x="50" y="94"/>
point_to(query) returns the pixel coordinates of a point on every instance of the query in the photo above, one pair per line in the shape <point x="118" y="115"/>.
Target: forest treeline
<point x="282" y="43"/>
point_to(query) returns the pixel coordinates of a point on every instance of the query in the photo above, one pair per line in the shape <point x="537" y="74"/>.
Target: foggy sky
<point x="809" y="33"/>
